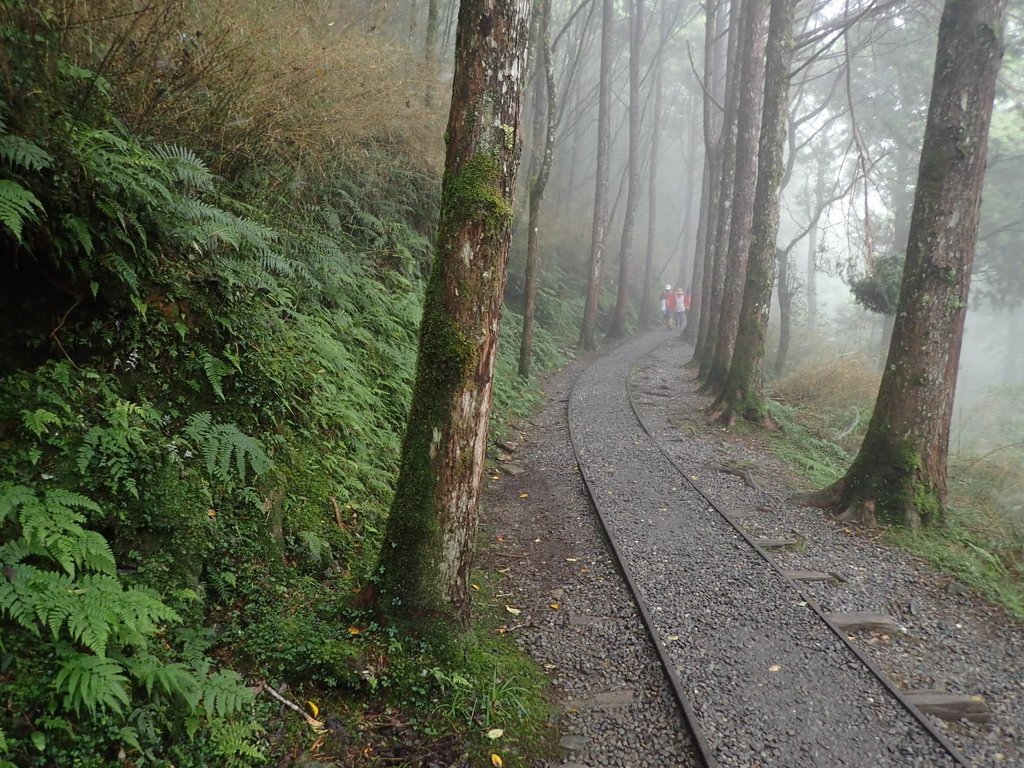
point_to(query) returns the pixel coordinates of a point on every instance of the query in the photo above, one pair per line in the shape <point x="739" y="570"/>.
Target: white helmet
<point x="668" y="287"/>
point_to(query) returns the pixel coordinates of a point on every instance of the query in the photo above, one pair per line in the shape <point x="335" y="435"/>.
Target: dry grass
<point x="259" y="84"/>
<point x="848" y="380"/>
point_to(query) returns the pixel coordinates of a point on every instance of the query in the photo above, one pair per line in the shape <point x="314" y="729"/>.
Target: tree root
<point x="833" y="500"/>
<point x="741" y="472"/>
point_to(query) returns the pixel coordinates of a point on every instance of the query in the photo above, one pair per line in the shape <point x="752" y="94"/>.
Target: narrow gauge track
<point x="763" y="679"/>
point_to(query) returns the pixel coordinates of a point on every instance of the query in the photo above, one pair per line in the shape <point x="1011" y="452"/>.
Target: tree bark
<point x="620" y="316"/>
<point x="430" y="50"/>
<point x="540" y="169"/>
<point x="428" y="545"/>
<point x="647" y="296"/>
<point x="697" y="281"/>
<point x="785" y="312"/>
<point x="718" y="236"/>
<point x="748" y="128"/>
<point x="743" y="393"/>
<point x="599" y="233"/>
<point x="899" y="473"/>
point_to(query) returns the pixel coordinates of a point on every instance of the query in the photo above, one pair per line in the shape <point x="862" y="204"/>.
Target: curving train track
<point x="762" y="676"/>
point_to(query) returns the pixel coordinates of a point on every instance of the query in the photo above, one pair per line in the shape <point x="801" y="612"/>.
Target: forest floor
<point x="550" y="575"/>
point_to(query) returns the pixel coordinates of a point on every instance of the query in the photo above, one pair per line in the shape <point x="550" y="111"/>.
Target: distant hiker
<point x="667" y="306"/>
<point x="680" y="308"/>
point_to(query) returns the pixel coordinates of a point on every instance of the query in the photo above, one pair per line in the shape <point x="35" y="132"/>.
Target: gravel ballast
<point x="770" y="683"/>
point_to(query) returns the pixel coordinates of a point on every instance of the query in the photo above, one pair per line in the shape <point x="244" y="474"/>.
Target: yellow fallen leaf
<point x="211" y="513"/>
<point x="554" y="606"/>
<point x="313" y="708"/>
<point x="495" y="733"/>
<point x="501" y="630"/>
<point x="513" y="611"/>
<point x="550" y="666"/>
<point x="522" y="496"/>
<point x="672" y="637"/>
<point x="355" y="631"/>
<point x="571" y="559"/>
<point x="475" y="586"/>
<point x="496" y="761"/>
<point x="774" y="668"/>
<point x="505" y="570"/>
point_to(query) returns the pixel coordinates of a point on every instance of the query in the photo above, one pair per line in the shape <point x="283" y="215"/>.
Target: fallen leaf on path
<point x="571" y="559"/>
<point x="496" y="761"/>
<point x="554" y="606"/>
<point x="505" y="570"/>
<point x="774" y="668"/>
<point x="550" y="666"/>
<point x="513" y="611"/>
<point x="475" y="586"/>
<point x="313" y="708"/>
<point x="495" y="733"/>
<point x="524" y="495"/>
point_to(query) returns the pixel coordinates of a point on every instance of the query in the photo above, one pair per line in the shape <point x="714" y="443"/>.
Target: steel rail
<point x="812" y="603"/>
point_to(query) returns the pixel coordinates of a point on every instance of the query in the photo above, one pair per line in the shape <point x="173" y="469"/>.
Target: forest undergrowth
<point x="823" y="408"/>
<point x="208" y="338"/>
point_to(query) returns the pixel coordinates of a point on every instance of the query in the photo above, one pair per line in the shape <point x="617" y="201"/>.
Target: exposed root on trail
<point x="839" y="508"/>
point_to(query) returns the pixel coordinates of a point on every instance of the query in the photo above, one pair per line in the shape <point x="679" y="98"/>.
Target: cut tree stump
<point x="864" y="622"/>
<point x="950" y="706"/>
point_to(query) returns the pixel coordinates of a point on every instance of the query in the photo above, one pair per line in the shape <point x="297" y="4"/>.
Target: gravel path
<point x="546" y="547"/>
<point x="772" y="686"/>
<point x="947" y="639"/>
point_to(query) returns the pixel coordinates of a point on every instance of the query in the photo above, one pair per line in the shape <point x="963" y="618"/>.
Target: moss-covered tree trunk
<point x="428" y="545"/>
<point x="785" y="311"/>
<point x="599" y="232"/>
<point x="620" y="315"/>
<point x="748" y="128"/>
<point x="899" y="473"/>
<point x="743" y="393"/>
<point x="545" y="117"/>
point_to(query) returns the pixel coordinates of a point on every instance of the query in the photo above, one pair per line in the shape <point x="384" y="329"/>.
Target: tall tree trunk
<point x="428" y="545"/>
<point x="899" y="473"/>
<point x="430" y="50"/>
<point x="697" y="282"/>
<point x="785" y="312"/>
<point x="647" y="297"/>
<point x="748" y="128"/>
<point x="744" y="386"/>
<point x="599" y="233"/>
<point x="689" y="209"/>
<point x="540" y="168"/>
<point x="620" y="317"/>
<point x="718" y="238"/>
<point x="812" y="282"/>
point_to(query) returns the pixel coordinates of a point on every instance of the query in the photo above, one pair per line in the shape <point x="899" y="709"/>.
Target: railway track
<point x="762" y="677"/>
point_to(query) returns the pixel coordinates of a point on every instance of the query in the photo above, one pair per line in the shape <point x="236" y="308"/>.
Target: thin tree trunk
<point x="748" y="128"/>
<point x="428" y="545"/>
<point x="689" y="209"/>
<point x="697" y="282"/>
<point x="743" y="394"/>
<point x="785" y="312"/>
<point x="430" y="48"/>
<point x="599" y="232"/>
<point x="812" y="282"/>
<point x="647" y="298"/>
<point x="620" y="317"/>
<point x="899" y="473"/>
<point x="540" y="168"/>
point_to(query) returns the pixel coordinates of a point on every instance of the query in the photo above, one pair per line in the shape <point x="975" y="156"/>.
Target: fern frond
<point x="186" y="166"/>
<point x="227" y="451"/>
<point x="17" y="205"/>
<point x="92" y="682"/>
<point x="22" y="153"/>
<point x="225" y="693"/>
